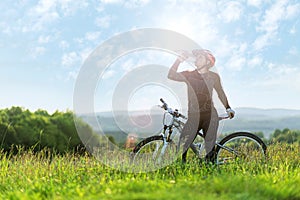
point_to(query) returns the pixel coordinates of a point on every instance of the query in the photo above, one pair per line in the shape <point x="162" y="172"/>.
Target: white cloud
<point x="242" y="48"/>
<point x="103" y="22"/>
<point x="72" y="62"/>
<point x="111" y="1"/>
<point x="6" y="29"/>
<point x="255" y="61"/>
<point x="236" y="62"/>
<point x="255" y="3"/>
<point x="37" y="51"/>
<point x="232" y="54"/>
<point x="75" y="58"/>
<point x="128" y="65"/>
<point x="275" y="90"/>
<point x="84" y="53"/>
<point x="239" y="32"/>
<point x="38" y="23"/>
<point x="69" y="59"/>
<point x="64" y="44"/>
<point x="128" y="3"/>
<point x="293" y="51"/>
<point x="293" y="30"/>
<point x="108" y="74"/>
<point x="39" y="16"/>
<point x="272" y="19"/>
<point x="262" y="41"/>
<point x="224" y="47"/>
<point x="230" y="11"/>
<point x="69" y="7"/>
<point x="43" y="6"/>
<point x="293" y="11"/>
<point x="72" y="75"/>
<point x="280" y="70"/>
<point x="136" y="3"/>
<point x="44" y="39"/>
<point x="92" y="36"/>
<point x="282" y="77"/>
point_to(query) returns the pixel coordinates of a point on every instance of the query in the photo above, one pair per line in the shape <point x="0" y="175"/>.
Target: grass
<point x="35" y="176"/>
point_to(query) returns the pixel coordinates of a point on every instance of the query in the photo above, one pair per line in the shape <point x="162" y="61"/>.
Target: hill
<point x="118" y="124"/>
<point x="263" y="120"/>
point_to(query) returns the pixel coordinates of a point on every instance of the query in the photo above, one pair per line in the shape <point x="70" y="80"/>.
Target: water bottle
<point x="188" y="55"/>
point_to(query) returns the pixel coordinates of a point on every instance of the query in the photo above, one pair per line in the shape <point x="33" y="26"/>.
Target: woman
<point x="201" y="111"/>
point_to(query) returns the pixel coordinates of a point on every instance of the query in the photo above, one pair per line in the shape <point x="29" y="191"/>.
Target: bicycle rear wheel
<point x="240" y="146"/>
<point x="152" y="152"/>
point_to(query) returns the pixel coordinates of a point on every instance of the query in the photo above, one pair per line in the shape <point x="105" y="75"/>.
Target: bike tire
<point x="240" y="146"/>
<point x="148" y="152"/>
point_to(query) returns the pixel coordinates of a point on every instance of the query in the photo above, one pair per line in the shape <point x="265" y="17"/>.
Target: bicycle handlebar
<point x="174" y="113"/>
<point x="161" y="99"/>
<point x="165" y="105"/>
<point x="224" y="117"/>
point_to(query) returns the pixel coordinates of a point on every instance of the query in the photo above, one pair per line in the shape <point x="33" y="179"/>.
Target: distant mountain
<point x="263" y="120"/>
<point x="119" y="124"/>
<point x="266" y="113"/>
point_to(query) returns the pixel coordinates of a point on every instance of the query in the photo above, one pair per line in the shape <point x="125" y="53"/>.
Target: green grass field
<point x="34" y="176"/>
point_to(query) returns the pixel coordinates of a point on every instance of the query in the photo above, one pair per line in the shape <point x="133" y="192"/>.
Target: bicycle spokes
<point x="240" y="148"/>
<point x="156" y="153"/>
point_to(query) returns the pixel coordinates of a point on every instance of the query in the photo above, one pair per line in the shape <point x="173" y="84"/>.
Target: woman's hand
<point x="183" y="56"/>
<point x="230" y="113"/>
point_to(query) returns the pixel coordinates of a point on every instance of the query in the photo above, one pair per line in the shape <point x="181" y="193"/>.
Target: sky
<point x="44" y="43"/>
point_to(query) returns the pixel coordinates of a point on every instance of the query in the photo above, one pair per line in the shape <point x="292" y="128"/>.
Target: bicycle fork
<point x="162" y="152"/>
<point x="166" y="141"/>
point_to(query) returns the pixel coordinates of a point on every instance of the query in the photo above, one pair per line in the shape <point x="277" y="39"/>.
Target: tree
<point x="38" y="130"/>
<point x="286" y="135"/>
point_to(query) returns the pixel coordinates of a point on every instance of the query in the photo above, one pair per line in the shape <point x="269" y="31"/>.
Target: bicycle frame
<point x="177" y="123"/>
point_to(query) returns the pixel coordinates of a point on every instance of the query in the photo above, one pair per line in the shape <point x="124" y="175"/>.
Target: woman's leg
<point x="210" y="128"/>
<point x="189" y="132"/>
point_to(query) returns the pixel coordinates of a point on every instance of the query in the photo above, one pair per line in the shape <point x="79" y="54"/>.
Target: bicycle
<point x="162" y="150"/>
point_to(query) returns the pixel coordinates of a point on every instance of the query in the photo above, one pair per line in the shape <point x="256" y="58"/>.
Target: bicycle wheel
<point x="153" y="152"/>
<point x="240" y="146"/>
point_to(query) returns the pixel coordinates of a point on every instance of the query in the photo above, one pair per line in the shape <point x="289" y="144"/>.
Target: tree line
<point x="39" y="130"/>
<point x="286" y="135"/>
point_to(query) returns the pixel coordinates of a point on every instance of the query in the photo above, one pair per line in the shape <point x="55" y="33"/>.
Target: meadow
<point x="29" y="175"/>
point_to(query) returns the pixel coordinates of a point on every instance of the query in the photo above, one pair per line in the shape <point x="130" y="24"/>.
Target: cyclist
<point x="201" y="111"/>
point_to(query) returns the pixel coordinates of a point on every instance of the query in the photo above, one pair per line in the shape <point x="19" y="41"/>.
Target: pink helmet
<point x="208" y="55"/>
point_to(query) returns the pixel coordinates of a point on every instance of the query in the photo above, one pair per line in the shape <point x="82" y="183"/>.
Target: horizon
<point x="162" y="111"/>
<point x="143" y="110"/>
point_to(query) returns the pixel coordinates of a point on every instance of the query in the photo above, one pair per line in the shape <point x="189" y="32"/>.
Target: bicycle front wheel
<point x="240" y="146"/>
<point x="154" y="152"/>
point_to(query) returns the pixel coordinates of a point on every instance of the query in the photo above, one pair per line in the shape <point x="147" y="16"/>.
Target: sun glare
<point x="183" y="26"/>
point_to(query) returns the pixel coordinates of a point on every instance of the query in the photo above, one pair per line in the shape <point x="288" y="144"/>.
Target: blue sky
<point x="44" y="43"/>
